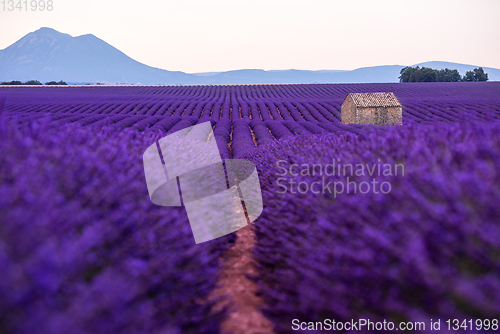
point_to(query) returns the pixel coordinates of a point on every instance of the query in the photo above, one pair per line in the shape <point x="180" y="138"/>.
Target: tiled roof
<point x="366" y="100"/>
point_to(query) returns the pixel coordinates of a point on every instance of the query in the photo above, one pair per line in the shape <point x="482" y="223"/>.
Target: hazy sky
<point x="207" y="35"/>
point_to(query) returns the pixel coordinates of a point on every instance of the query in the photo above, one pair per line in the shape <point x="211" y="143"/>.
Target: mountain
<point x="47" y="55"/>
<point x="493" y="73"/>
<point x="387" y="73"/>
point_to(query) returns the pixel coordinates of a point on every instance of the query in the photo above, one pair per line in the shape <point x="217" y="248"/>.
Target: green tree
<point x="448" y="75"/>
<point x="406" y="74"/>
<point x="426" y="74"/>
<point x="418" y="74"/>
<point x="469" y="76"/>
<point x="475" y="75"/>
<point x="50" y="83"/>
<point x="479" y="74"/>
<point x="12" y="83"/>
<point x="33" y="82"/>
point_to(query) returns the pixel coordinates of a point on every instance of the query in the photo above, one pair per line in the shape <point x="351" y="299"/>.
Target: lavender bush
<point x="314" y="103"/>
<point x="428" y="249"/>
<point x="82" y="248"/>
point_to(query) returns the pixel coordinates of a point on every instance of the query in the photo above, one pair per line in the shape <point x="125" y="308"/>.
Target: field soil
<point x="244" y="305"/>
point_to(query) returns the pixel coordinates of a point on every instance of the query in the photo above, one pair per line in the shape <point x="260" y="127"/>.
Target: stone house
<point x="372" y="108"/>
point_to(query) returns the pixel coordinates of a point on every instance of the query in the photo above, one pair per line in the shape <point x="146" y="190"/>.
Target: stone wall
<point x="348" y="111"/>
<point x="395" y="116"/>
<point x="373" y="115"/>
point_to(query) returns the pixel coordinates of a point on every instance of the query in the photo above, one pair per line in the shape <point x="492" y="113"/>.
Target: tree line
<point x="426" y="74"/>
<point x="33" y="82"/>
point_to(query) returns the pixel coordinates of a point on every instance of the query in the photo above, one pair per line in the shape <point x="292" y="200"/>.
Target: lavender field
<point x="83" y="249"/>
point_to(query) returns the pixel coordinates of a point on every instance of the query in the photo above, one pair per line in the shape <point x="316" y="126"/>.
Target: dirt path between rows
<point x="244" y="315"/>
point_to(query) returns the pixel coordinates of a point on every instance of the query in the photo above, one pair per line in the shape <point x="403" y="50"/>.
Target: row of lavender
<point x="314" y="112"/>
<point x="470" y="91"/>
<point x="233" y="138"/>
<point x="311" y="103"/>
<point x="424" y="246"/>
<point x="83" y="249"/>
